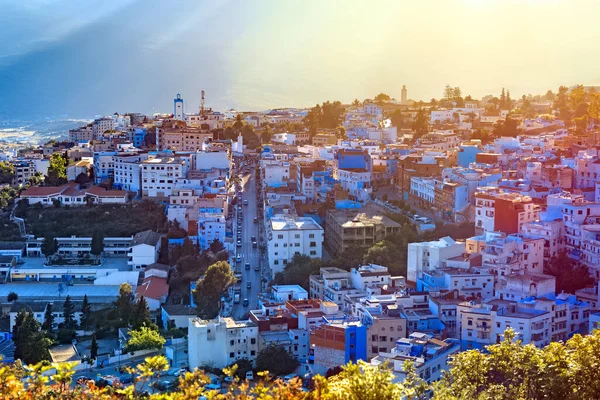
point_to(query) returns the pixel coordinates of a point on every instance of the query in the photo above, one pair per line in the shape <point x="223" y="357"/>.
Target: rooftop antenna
<point x="202" y="104"/>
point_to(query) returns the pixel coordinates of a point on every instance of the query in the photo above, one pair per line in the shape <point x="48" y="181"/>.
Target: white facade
<point x="430" y="359"/>
<point x="428" y="256"/>
<point x="288" y="236"/>
<point x="483" y="324"/>
<point x="127" y="171"/>
<point x="220" y="342"/>
<point x="441" y="116"/>
<point x="356" y="182"/>
<point x="275" y="174"/>
<point x="160" y="174"/>
<point x="423" y="188"/>
<point x="207" y="160"/>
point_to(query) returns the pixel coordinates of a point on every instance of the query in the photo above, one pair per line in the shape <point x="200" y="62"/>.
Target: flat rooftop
<point x="50" y="291"/>
<point x="119" y="263"/>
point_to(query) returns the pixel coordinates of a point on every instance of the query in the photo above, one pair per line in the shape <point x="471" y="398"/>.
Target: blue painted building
<point x="352" y="158"/>
<point x="338" y="341"/>
<point x="467" y="154"/>
<point x="139" y="135"/>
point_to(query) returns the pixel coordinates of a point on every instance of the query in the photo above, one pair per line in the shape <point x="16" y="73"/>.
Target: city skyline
<point x="83" y="60"/>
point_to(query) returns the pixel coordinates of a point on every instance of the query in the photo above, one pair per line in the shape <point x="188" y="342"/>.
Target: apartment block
<point x="429" y="256"/>
<point x="160" y="174"/>
<point x="357" y="228"/>
<point x="430" y="357"/>
<point x="221" y="342"/>
<point x="288" y="236"/>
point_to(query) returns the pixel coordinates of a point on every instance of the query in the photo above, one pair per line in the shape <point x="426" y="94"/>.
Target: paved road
<point x="249" y="253"/>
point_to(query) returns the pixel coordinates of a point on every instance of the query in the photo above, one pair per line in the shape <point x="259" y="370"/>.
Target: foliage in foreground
<point x="508" y="370"/>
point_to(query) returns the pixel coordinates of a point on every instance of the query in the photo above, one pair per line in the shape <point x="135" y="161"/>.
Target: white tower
<point x="404" y="95"/>
<point x="178" y="108"/>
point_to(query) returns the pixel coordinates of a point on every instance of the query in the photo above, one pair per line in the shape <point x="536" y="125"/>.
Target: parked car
<point x="256" y="267"/>
<point x="254" y="244"/>
<point x="238" y="258"/>
<point x="245" y="303"/>
<point x="239" y="243"/>
<point x="247" y="266"/>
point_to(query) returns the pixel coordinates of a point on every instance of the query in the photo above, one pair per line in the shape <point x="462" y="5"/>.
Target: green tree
<point x="49" y="246"/>
<point x="298" y="270"/>
<point x="239" y="123"/>
<point x="12" y="296"/>
<point x="266" y="134"/>
<point x="340" y="133"/>
<point x="57" y="170"/>
<point x="356" y="103"/>
<point x="243" y="365"/>
<point x="578" y="99"/>
<point x="31" y="346"/>
<point x="69" y="312"/>
<point x="144" y="338"/>
<point x="448" y="93"/>
<point x="421" y="124"/>
<point x="97" y="246"/>
<point x="507" y="128"/>
<point x="141" y="314"/>
<point x="382" y="98"/>
<point x="570" y="277"/>
<point x="211" y="288"/>
<point x="7" y="172"/>
<point x="594" y="107"/>
<point x="86" y="312"/>
<point x="124" y="301"/>
<point x="216" y="246"/>
<point x="561" y="104"/>
<point x="48" y="318"/>
<point x="276" y="360"/>
<point x="151" y="369"/>
<point x="94" y="348"/>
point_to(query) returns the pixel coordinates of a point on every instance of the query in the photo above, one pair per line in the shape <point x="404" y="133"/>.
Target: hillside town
<point x="298" y="240"/>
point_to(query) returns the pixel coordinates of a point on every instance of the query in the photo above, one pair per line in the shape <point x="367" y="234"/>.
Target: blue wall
<point x="356" y="343"/>
<point x="353" y="159"/>
<point x="467" y="155"/>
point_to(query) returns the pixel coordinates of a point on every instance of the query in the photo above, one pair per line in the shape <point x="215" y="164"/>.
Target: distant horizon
<point x="98" y="57"/>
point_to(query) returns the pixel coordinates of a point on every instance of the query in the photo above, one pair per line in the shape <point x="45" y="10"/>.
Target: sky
<point x="84" y="58"/>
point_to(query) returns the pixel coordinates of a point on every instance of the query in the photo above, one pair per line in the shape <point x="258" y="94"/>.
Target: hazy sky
<point x="82" y="58"/>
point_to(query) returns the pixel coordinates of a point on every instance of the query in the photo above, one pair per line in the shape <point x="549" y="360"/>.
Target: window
<point x="311" y="235"/>
<point x="231" y="355"/>
<point x="253" y="353"/>
<point x="279" y="236"/>
<point x="231" y="342"/>
<point x="252" y="341"/>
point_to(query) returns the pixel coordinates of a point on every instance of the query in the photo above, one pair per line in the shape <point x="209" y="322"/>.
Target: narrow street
<point x="249" y="254"/>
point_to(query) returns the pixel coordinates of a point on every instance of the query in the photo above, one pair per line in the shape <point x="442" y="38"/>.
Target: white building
<point x="101" y="125"/>
<point x="82" y="134"/>
<point x="160" y="174"/>
<point x="288" y="236"/>
<point x="428" y="256"/>
<point x="357" y="182"/>
<point x="481" y="324"/>
<point x="220" y="342"/>
<point x="104" y="166"/>
<point x="127" y="171"/>
<point x="429" y="356"/>
<point x="275" y="173"/>
<point x="144" y="249"/>
<point x="207" y="160"/>
<point x="423" y="188"/>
